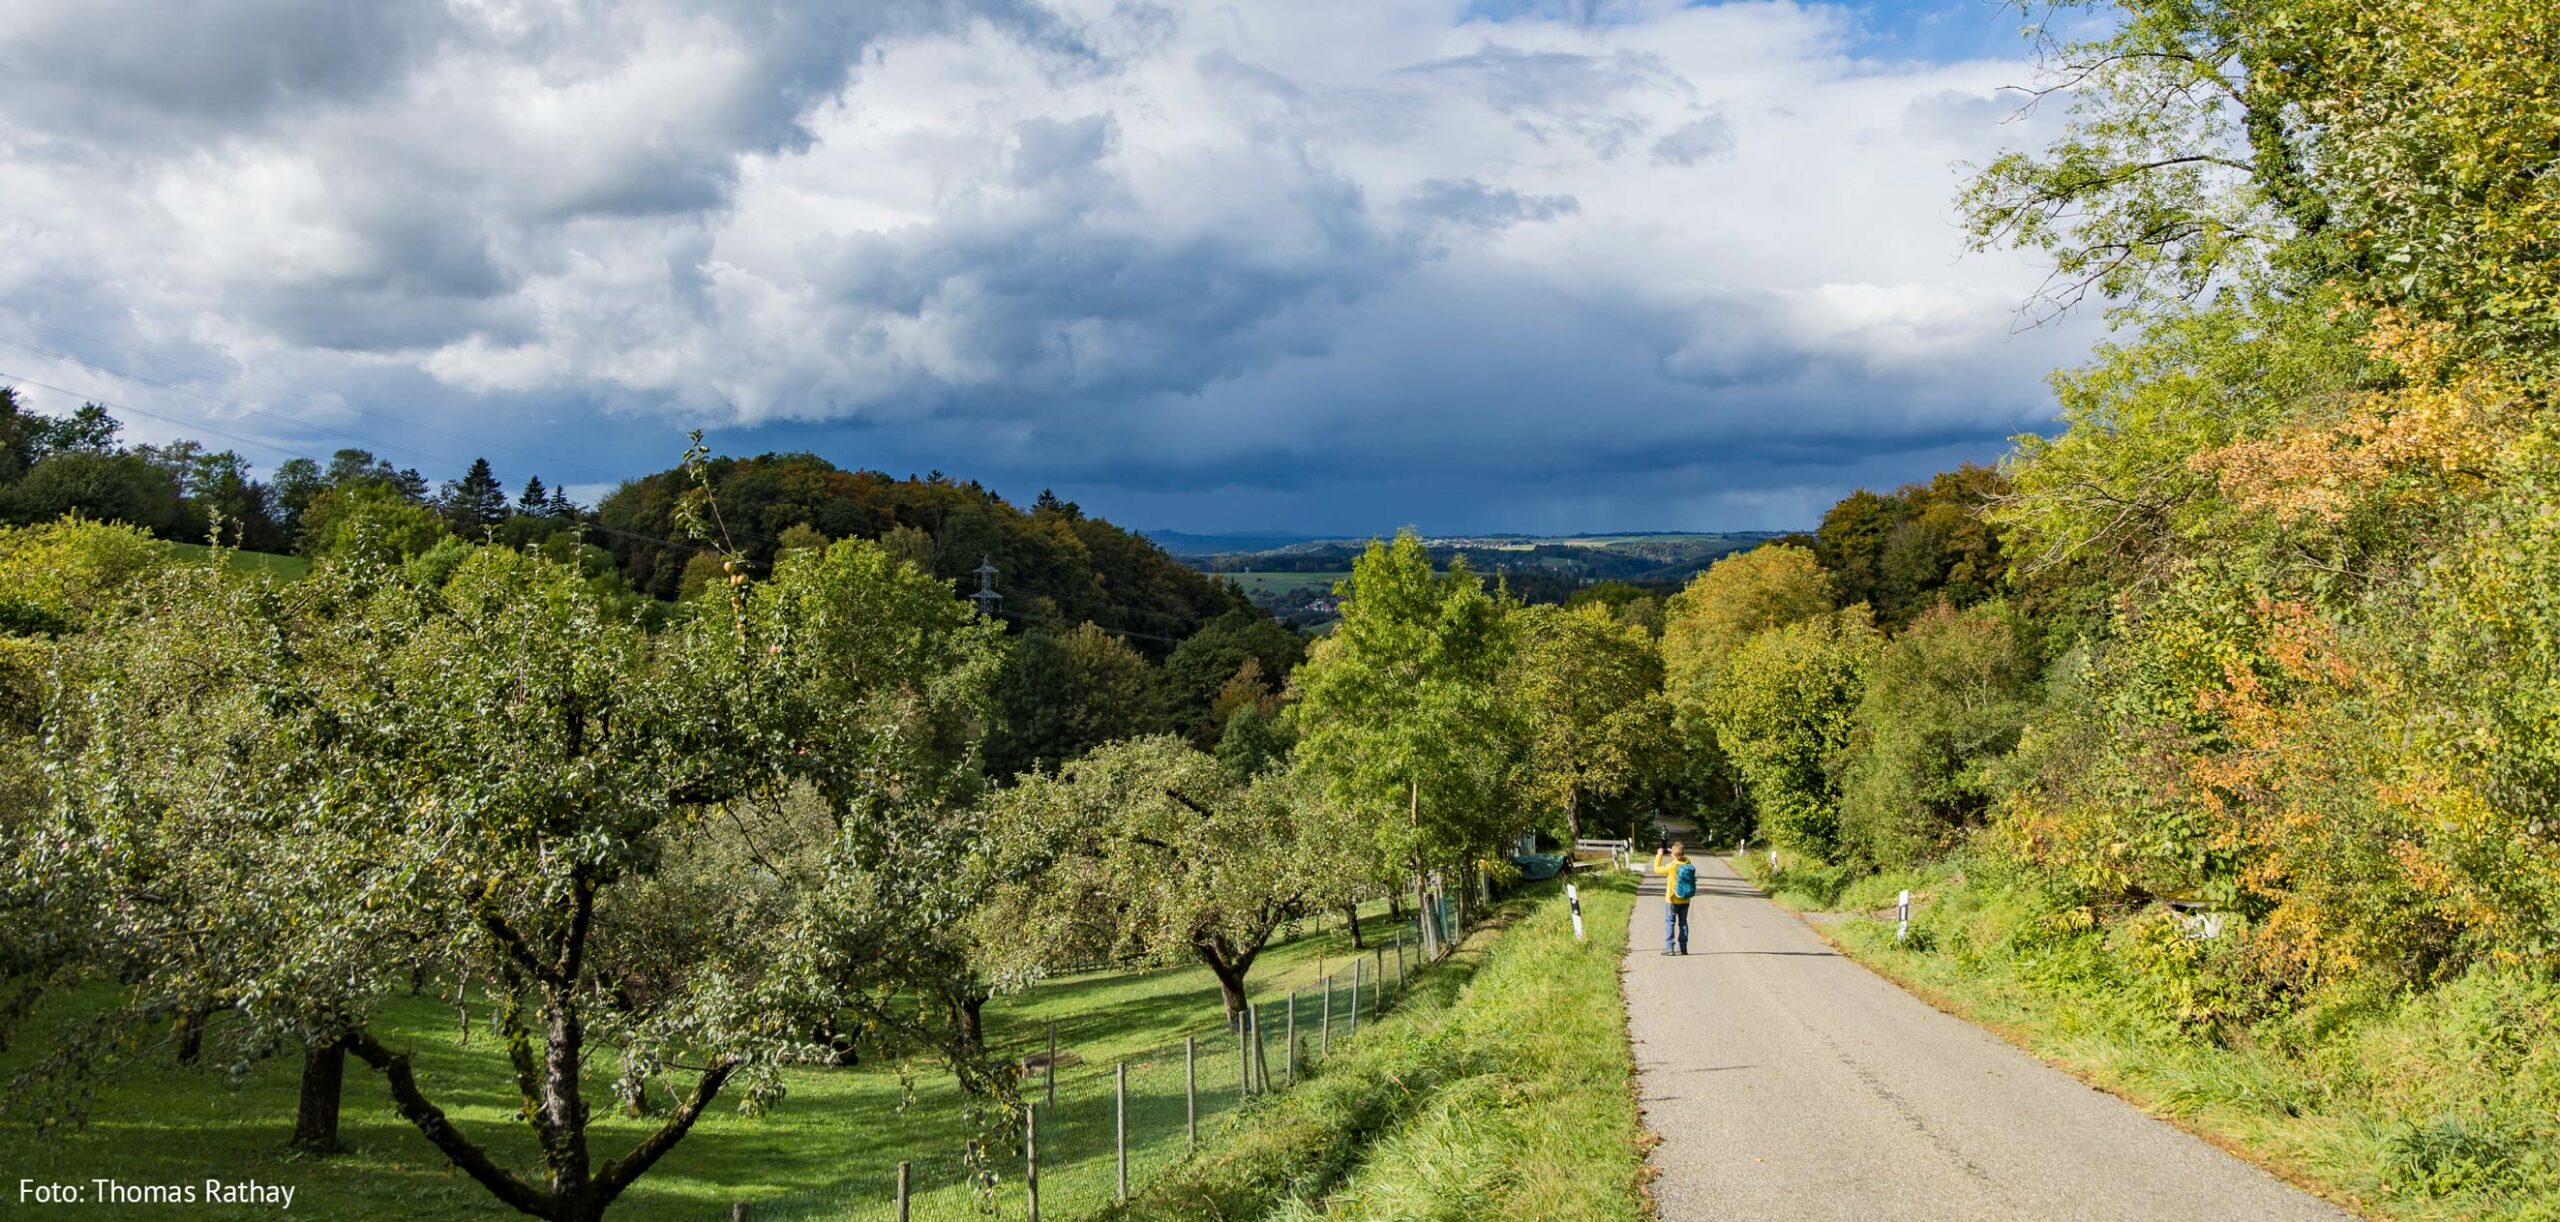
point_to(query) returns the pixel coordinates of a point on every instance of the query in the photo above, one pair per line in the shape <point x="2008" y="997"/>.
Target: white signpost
<point x="1905" y="930"/>
<point x="1573" y="899"/>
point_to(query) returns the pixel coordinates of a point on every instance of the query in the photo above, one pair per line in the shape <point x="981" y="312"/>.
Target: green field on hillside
<point x="1313" y="584"/>
<point x="288" y="568"/>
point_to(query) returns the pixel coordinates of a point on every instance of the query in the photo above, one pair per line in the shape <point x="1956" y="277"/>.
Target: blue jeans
<point x="1675" y="927"/>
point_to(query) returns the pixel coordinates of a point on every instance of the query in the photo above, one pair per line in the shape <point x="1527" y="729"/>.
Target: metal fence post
<point x="1031" y="1158"/>
<point x="1120" y="1122"/>
<point x="902" y="1190"/>
<point x="1379" y="1004"/>
<point x="1190" y="1091"/>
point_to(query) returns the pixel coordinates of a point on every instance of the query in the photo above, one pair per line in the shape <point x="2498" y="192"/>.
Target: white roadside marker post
<point x="1773" y="859"/>
<point x="1573" y="899"/>
<point x="1905" y="930"/>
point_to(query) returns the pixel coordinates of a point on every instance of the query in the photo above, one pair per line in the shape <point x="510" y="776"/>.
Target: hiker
<point x="1675" y="897"/>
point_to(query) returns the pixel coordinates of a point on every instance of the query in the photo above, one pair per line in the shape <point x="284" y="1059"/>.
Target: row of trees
<point x="754" y="831"/>
<point x="51" y="466"/>
<point x="712" y="850"/>
<point x="2273" y="623"/>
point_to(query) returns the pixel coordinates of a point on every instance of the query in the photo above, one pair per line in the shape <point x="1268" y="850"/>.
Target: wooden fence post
<point x="902" y="1190"/>
<point x="1244" y="1055"/>
<point x="1190" y="1091"/>
<point x="1120" y="1122"/>
<point x="1289" y="1055"/>
<point x="1324" y="1037"/>
<point x="1052" y="1068"/>
<point x="738" y="1211"/>
<point x="1261" y="1063"/>
<point x="1354" y="1028"/>
<point x="1031" y="1158"/>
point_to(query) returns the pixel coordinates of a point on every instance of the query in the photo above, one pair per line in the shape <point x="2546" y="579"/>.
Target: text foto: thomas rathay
<point x="118" y="1192"/>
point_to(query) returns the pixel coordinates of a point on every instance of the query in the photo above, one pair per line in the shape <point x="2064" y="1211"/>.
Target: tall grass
<point x="1498" y="1088"/>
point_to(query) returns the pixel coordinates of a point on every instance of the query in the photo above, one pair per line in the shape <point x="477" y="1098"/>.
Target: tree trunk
<point x="971" y="1028"/>
<point x="1351" y="917"/>
<point x="191" y="1035"/>
<point x="1230" y="980"/>
<point x="564" y="1112"/>
<point x="1572" y="820"/>
<point x="315" y="1119"/>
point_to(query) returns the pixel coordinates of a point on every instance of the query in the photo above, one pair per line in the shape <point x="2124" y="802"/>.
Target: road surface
<point x="1787" y="1082"/>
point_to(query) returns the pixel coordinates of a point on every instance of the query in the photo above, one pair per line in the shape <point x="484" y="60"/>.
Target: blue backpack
<point x="1684" y="881"/>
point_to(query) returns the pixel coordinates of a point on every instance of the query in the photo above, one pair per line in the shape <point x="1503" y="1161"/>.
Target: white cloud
<point x="1116" y="246"/>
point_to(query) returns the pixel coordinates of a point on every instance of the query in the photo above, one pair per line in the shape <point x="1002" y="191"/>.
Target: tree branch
<point x="431" y="1121"/>
<point x="618" y="1173"/>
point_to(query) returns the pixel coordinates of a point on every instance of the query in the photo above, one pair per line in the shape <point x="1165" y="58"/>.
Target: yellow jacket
<point x="1667" y="866"/>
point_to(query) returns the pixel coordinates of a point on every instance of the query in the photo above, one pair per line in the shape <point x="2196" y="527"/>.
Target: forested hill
<point x="1054" y="565"/>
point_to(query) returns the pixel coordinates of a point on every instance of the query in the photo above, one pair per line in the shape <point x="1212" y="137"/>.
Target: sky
<point x="1263" y="265"/>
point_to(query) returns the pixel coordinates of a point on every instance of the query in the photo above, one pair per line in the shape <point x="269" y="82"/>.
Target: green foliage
<point x="1254" y="742"/>
<point x="1591" y="691"/>
<point x="58" y="575"/>
<point x="475" y="502"/>
<point x="1704" y="624"/>
<point x="113" y="486"/>
<point x="1146" y="850"/>
<point x="502" y="781"/>
<point x="1063" y="694"/>
<point x="1627" y="603"/>
<point x="1401" y="715"/>
<point x="367" y="523"/>
<point x="1055" y="568"/>
<point x="1782" y="709"/>
<point x="1201" y="667"/>
<point x="1944" y="703"/>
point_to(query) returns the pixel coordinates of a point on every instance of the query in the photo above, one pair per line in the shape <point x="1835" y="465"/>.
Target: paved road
<point x="1787" y="1082"/>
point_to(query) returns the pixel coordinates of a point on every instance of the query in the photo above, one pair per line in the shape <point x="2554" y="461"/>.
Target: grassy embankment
<point x="1497" y="1089"/>
<point x="829" y="1151"/>
<point x="2442" y="1103"/>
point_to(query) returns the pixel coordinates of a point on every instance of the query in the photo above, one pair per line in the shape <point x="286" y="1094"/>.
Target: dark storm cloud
<point x="133" y="71"/>
<point x="1186" y="263"/>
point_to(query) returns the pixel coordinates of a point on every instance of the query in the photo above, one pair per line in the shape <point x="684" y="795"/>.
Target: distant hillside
<point x="1292" y="580"/>
<point x="1183" y="543"/>
<point x="1053" y="564"/>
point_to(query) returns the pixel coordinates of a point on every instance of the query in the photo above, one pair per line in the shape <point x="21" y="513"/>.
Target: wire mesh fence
<point x="1101" y="1128"/>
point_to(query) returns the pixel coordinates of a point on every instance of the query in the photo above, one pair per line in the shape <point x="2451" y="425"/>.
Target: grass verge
<point x="1496" y="1088"/>
<point x="2438" y="1103"/>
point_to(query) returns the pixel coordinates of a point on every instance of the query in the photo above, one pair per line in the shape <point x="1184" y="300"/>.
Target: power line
<point x="122" y="407"/>
<point x="295" y="421"/>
